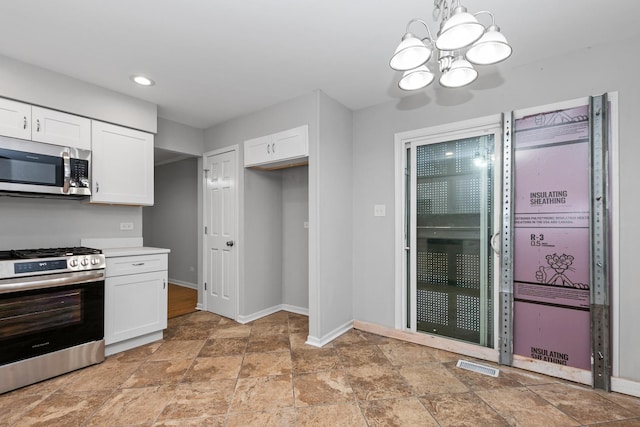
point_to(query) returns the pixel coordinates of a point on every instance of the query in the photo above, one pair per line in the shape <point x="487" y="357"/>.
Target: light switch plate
<point x="126" y="226"/>
<point x="379" y="210"/>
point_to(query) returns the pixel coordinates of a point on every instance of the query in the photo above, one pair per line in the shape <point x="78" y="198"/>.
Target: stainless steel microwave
<point x="35" y="167"/>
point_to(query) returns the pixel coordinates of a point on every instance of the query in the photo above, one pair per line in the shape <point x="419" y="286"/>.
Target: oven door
<point x="43" y="314"/>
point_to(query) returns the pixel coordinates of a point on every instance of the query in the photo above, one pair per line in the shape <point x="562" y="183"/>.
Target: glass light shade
<point x="460" y="74"/>
<point x="490" y="49"/>
<point x="411" y="53"/>
<point x="416" y="79"/>
<point x="461" y="30"/>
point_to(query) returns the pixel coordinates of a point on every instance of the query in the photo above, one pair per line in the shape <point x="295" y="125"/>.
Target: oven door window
<point x="30" y="168"/>
<point x="40" y="313"/>
<point x="41" y="321"/>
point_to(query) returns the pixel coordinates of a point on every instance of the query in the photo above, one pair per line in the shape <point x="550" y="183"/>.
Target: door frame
<point x="445" y="132"/>
<point x="239" y="240"/>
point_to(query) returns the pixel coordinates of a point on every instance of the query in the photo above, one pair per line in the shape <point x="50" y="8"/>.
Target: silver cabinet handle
<point x="24" y="125"/>
<point x="230" y="243"/>
<point x="164" y="284"/>
<point x="138" y="264"/>
<point x="97" y="187"/>
<point x="38" y="125"/>
<point x="273" y="147"/>
<point x="268" y="149"/>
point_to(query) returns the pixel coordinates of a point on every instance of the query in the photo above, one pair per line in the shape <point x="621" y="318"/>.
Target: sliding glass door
<point x="451" y="222"/>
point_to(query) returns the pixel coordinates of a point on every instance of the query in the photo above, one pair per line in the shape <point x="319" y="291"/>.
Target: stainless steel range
<point x="51" y="313"/>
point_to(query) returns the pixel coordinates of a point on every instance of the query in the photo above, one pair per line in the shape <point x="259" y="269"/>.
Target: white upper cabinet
<point x="122" y="165"/>
<point x="20" y="120"/>
<point x="279" y="150"/>
<point x="15" y="119"/>
<point x="54" y="127"/>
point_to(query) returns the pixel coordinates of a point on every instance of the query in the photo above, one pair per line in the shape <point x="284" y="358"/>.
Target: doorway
<point x="450" y="220"/>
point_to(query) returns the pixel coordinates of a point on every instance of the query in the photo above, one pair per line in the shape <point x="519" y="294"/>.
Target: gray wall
<point x="37" y="222"/>
<point x="34" y="85"/>
<point x="172" y="221"/>
<point x="575" y="75"/>
<point x="179" y="138"/>
<point x="262" y="241"/>
<point x="330" y="194"/>
<point x="295" y="238"/>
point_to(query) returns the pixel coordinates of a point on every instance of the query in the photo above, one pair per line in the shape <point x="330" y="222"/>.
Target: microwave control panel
<point x="79" y="173"/>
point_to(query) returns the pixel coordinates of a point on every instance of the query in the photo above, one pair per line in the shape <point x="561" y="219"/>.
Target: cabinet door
<point x="135" y="305"/>
<point x="278" y="149"/>
<point x="291" y="144"/>
<point x="54" y="127"/>
<point x="122" y="165"/>
<point x="15" y="119"/>
<point x="257" y="151"/>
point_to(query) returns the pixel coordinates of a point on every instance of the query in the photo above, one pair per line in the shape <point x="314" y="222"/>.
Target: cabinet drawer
<point x="119" y="266"/>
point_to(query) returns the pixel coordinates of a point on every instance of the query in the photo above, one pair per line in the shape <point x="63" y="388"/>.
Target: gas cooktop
<point x="47" y="253"/>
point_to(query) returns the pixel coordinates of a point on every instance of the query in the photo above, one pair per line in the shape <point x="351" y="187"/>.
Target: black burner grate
<point x="53" y="252"/>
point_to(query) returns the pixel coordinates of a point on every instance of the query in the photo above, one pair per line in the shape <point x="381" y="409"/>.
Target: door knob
<point x="230" y="243"/>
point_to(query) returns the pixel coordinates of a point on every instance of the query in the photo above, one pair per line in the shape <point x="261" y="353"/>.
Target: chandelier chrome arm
<point x="421" y="22"/>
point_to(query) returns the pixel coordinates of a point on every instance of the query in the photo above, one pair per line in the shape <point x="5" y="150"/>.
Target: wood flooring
<point x="182" y="300"/>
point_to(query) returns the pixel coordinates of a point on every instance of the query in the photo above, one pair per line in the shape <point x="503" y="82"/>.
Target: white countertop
<point x="115" y="247"/>
<point x="132" y="251"/>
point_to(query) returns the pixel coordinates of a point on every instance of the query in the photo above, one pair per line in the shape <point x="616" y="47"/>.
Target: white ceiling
<point x="214" y="60"/>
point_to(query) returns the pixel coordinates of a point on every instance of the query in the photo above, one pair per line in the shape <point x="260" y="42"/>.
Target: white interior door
<point x="220" y="250"/>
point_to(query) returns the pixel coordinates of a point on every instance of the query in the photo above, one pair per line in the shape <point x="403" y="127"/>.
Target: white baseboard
<point x="132" y="343"/>
<point x="327" y="338"/>
<point x="183" y="284"/>
<point x="199" y="306"/>
<point x="295" y="309"/>
<point x="621" y="385"/>
<point x="267" y="311"/>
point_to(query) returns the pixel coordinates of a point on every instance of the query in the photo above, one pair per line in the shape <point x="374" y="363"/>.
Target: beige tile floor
<point x="210" y="371"/>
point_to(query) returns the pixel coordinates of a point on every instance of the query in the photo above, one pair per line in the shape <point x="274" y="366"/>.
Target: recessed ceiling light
<point x="142" y="80"/>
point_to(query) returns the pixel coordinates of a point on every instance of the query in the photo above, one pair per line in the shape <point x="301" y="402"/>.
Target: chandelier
<point x="461" y="42"/>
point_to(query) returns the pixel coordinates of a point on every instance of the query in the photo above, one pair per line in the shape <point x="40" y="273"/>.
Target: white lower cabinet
<point x="136" y="292"/>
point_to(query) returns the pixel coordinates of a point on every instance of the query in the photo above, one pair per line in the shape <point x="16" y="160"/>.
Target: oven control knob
<point x="73" y="262"/>
<point x="95" y="261"/>
<point x="84" y="261"/>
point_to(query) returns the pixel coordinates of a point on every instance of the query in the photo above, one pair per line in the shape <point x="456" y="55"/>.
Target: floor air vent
<point x="476" y="367"/>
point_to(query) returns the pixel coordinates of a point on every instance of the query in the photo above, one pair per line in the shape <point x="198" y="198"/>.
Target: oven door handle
<point x="50" y="281"/>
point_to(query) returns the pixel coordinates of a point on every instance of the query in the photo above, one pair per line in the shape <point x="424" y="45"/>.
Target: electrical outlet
<point x="379" y="210"/>
<point x="126" y="226"/>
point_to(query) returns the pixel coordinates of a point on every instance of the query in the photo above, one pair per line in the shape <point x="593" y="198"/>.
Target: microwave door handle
<point x="67" y="172"/>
